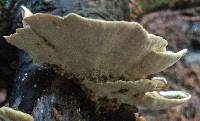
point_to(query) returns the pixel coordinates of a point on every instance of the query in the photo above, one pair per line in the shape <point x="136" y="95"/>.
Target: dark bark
<point x="39" y="90"/>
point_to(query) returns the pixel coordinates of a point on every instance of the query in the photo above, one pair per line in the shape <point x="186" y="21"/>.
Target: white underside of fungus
<point x="111" y="57"/>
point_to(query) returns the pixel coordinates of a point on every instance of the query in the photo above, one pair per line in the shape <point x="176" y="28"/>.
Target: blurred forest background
<point x="178" y="21"/>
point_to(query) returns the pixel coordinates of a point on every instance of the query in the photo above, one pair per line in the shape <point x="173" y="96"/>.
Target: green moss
<point x="152" y="5"/>
<point x="2" y="3"/>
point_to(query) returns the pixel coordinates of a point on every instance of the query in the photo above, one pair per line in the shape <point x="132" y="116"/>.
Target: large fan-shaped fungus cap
<point x="91" y="49"/>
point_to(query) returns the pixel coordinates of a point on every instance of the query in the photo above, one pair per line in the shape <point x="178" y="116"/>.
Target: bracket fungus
<point x="111" y="58"/>
<point x="8" y="114"/>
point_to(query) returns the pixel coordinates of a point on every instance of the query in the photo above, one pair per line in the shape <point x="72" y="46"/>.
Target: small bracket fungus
<point x="8" y="114"/>
<point x="111" y="58"/>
